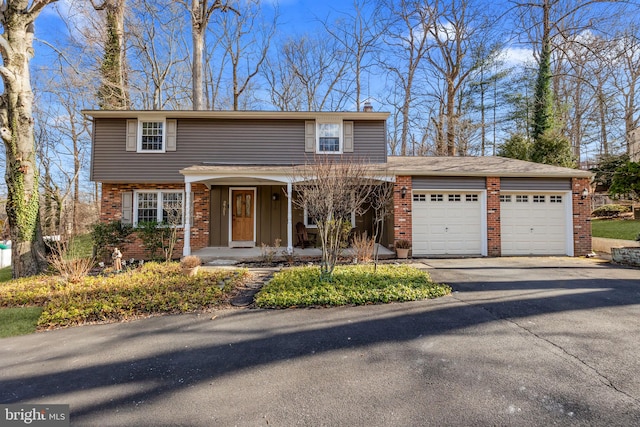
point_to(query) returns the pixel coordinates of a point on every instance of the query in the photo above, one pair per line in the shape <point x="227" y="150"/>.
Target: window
<point x="437" y="197"/>
<point x="555" y="199"/>
<point x="329" y="138"/>
<point x="454" y="197"/>
<point x="539" y="199"/>
<point x="419" y="197"/>
<point x="471" y="197"/>
<point x="522" y="198"/>
<point x="505" y="198"/>
<point x="159" y="206"/>
<point x="151" y="136"/>
<point x="310" y="222"/>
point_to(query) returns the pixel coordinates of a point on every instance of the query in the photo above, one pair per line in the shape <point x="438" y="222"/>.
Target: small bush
<point x="610" y="211"/>
<point x="304" y="286"/>
<point x="190" y="261"/>
<point x="402" y="244"/>
<point x="71" y="268"/>
<point x="363" y="248"/>
<point x="107" y="236"/>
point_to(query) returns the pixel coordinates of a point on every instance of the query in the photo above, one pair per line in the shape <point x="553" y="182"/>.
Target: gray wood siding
<point x="448" y="183"/>
<point x="234" y="142"/>
<point x="537" y="184"/>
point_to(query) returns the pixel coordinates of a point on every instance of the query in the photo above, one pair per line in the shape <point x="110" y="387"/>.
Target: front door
<point x="242" y="215"/>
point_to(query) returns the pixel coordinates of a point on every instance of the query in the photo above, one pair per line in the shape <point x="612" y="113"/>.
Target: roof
<point x="237" y="115"/>
<point x="418" y="166"/>
<point x="479" y="166"/>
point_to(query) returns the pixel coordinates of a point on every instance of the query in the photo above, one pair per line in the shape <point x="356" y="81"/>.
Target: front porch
<point x="220" y="255"/>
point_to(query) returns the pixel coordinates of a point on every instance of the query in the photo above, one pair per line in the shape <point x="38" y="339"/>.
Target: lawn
<point x="350" y="285"/>
<point x="5" y="274"/>
<point x="626" y="229"/>
<point x="18" y="321"/>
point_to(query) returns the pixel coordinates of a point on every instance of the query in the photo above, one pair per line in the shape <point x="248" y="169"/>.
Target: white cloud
<point x="516" y="56"/>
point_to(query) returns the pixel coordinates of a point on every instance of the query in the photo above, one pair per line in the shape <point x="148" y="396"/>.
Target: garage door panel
<point x="533" y="225"/>
<point x="446" y="223"/>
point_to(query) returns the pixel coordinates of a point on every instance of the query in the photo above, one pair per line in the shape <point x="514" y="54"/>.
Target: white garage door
<point x="534" y="223"/>
<point x="447" y="223"/>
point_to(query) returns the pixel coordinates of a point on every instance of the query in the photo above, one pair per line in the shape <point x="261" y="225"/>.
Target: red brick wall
<point x="494" y="236"/>
<point x="111" y="209"/>
<point x="402" y="209"/>
<point x="581" y="217"/>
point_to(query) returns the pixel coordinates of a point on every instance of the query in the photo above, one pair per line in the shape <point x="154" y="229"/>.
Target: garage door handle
<point x="446" y="229"/>
<point x="532" y="230"/>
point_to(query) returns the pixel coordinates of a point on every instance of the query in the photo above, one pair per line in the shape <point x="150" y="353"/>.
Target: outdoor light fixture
<point x="403" y="192"/>
<point x="585" y="193"/>
<point x="275" y="197"/>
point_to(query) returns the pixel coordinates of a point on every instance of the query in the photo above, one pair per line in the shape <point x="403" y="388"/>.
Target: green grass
<point x="81" y="246"/>
<point x="350" y="285"/>
<point x="615" y="229"/>
<point x="18" y="321"/>
<point x="5" y="274"/>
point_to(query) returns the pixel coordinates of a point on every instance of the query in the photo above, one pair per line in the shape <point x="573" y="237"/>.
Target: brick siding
<point x="494" y="233"/>
<point x="111" y="209"/>
<point x="402" y="225"/>
<point x="581" y="217"/>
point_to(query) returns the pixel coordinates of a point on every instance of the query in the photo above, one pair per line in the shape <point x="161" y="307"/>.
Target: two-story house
<point x="228" y="173"/>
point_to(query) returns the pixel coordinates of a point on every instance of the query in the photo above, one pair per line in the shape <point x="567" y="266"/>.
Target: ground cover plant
<point x="154" y="288"/>
<point x="352" y="284"/>
<point x="616" y="229"/>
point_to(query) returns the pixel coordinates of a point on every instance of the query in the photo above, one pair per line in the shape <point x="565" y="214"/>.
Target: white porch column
<point x="186" y="249"/>
<point x="289" y="218"/>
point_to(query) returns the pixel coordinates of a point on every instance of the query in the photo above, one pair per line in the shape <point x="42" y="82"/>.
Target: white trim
<point x="159" y="193"/>
<point x="238" y="243"/>
<point x="186" y="248"/>
<point x="162" y="120"/>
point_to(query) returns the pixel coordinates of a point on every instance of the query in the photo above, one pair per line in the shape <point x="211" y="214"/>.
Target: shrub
<point x="305" y="286"/>
<point x="154" y="288"/>
<point x="70" y="267"/>
<point x="402" y="244"/>
<point x="363" y="247"/>
<point x="107" y="236"/>
<point x="610" y="211"/>
<point x="190" y="261"/>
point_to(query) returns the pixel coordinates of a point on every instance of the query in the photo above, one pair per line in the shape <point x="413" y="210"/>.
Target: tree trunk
<point x="196" y="67"/>
<point x="16" y="121"/>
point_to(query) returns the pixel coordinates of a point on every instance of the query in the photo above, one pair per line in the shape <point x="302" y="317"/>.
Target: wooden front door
<point x="242" y="218"/>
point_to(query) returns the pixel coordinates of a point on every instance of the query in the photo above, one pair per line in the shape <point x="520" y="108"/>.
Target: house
<point x="229" y="174"/>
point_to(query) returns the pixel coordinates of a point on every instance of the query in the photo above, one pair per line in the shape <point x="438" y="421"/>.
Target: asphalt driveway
<point x="522" y="341"/>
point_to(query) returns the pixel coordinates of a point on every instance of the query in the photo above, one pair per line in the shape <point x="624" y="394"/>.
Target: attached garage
<point x="535" y="217"/>
<point x="448" y="216"/>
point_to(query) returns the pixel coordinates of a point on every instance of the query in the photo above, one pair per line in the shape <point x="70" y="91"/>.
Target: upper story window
<point x="151" y="136"/>
<point x="329" y="138"/>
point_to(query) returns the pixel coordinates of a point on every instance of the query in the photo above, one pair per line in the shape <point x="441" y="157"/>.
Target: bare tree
<point x="155" y="33"/>
<point x="200" y="11"/>
<point x="331" y="191"/>
<point x="17" y="18"/>
<point x="358" y="35"/>
<point x="319" y="66"/>
<point x="246" y="42"/>
<point x="406" y="36"/>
